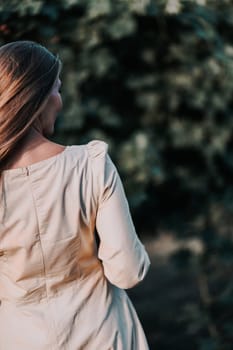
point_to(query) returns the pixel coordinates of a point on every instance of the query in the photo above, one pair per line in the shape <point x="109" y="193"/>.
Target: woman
<point x="58" y="289"/>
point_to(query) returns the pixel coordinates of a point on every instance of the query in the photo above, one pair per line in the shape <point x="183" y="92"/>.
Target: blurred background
<point x="154" y="79"/>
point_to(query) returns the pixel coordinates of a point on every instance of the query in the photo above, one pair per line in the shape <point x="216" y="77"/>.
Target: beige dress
<point x="59" y="290"/>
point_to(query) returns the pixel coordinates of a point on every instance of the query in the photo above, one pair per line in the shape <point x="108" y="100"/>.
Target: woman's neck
<point x="32" y="148"/>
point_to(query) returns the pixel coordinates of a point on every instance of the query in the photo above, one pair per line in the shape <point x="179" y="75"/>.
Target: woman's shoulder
<point x="92" y="149"/>
<point x="97" y="148"/>
<point x="93" y="152"/>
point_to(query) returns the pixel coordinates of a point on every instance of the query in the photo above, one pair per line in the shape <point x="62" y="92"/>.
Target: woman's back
<point x="57" y="287"/>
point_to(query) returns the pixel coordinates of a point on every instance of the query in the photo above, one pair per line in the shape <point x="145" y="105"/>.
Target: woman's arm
<point x="124" y="258"/>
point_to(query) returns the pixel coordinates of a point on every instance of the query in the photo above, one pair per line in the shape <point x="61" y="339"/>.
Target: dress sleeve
<point x="124" y="258"/>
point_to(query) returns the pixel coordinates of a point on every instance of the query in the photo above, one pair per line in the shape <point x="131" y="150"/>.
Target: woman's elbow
<point x="129" y="277"/>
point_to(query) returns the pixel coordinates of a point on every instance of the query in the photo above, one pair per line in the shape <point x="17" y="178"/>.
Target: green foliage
<point x="155" y="80"/>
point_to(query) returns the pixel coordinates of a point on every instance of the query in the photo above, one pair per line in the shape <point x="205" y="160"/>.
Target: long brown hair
<point x="28" y="72"/>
